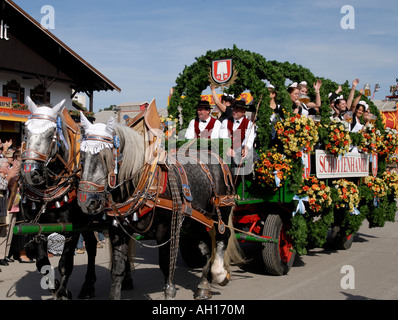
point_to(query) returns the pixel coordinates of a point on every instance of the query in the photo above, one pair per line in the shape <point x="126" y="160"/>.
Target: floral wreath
<point x="391" y="180"/>
<point x="372" y="142"/>
<point x="348" y="195"/>
<point x="319" y="194"/>
<point x="338" y="140"/>
<point x="273" y="168"/>
<point x="390" y="144"/>
<point x="298" y="134"/>
<point x="377" y="186"/>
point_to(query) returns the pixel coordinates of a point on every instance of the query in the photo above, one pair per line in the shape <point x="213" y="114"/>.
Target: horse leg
<point x="88" y="289"/>
<point x="127" y="283"/>
<point x="164" y="264"/>
<point x="119" y="258"/>
<point x="227" y="251"/>
<point x="65" y="266"/>
<point x="203" y="291"/>
<point x="40" y="253"/>
<point x="43" y="265"/>
<point x="219" y="274"/>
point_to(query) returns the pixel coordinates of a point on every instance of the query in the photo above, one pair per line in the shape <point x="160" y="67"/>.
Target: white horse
<point x="49" y="176"/>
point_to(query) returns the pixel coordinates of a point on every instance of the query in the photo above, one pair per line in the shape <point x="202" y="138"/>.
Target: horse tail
<point x="234" y="253"/>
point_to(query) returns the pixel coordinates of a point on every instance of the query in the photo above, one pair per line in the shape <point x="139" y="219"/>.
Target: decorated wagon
<point x="307" y="190"/>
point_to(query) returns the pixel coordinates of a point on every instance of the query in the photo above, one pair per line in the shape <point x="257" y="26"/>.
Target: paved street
<point x="317" y="275"/>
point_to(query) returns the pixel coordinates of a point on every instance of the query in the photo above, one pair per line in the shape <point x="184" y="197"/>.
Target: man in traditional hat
<point x="204" y="125"/>
<point x="242" y="134"/>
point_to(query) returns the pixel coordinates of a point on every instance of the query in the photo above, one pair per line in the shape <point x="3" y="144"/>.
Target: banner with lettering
<point x="14" y="115"/>
<point x="350" y="165"/>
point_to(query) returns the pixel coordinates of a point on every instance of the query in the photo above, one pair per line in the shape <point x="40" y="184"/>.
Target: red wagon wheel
<point x="278" y="257"/>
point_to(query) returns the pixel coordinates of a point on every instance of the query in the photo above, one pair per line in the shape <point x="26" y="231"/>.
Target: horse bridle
<point x="92" y="189"/>
<point x="30" y="154"/>
<point x="65" y="184"/>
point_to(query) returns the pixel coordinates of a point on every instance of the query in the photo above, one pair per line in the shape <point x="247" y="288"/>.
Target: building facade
<point x="35" y="63"/>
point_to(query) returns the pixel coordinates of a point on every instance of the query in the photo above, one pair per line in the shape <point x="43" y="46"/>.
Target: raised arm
<point x="351" y="95"/>
<point x="222" y="107"/>
<point x="317" y="104"/>
<point x="357" y="99"/>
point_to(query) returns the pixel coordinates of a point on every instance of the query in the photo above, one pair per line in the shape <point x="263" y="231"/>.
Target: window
<point x="38" y="93"/>
<point x="14" y="91"/>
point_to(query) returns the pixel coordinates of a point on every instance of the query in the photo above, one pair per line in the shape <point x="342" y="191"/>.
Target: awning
<point x="14" y="114"/>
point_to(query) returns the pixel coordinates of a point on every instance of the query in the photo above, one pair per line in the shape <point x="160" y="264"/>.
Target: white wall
<point x="58" y="91"/>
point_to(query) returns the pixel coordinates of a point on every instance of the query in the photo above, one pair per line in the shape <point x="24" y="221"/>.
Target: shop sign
<point x="350" y="165"/>
<point x="14" y="115"/>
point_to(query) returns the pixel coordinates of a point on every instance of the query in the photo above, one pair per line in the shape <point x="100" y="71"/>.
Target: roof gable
<point x="62" y="62"/>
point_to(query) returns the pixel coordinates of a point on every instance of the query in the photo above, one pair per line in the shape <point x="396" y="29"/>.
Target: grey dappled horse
<point x="98" y="161"/>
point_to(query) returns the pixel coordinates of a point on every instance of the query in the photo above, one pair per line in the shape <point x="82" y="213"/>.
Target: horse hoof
<point x="63" y="296"/>
<point x="127" y="284"/>
<point x="170" y="292"/>
<point x="226" y="280"/>
<point x="87" y="291"/>
<point x="202" y="294"/>
<point x="86" y="294"/>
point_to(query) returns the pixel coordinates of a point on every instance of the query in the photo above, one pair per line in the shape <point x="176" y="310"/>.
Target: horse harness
<point x="149" y="193"/>
<point x="65" y="188"/>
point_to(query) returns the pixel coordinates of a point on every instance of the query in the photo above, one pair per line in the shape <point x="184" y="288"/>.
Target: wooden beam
<point x="91" y="101"/>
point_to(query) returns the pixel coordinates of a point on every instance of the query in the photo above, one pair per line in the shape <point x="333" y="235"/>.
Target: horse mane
<point x="133" y="149"/>
<point x="65" y="151"/>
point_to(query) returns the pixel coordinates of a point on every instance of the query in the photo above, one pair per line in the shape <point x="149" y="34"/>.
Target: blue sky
<point x="142" y="46"/>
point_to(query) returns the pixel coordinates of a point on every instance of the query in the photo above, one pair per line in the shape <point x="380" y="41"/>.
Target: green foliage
<point x="318" y="226"/>
<point x="379" y="212"/>
<point x="299" y="233"/>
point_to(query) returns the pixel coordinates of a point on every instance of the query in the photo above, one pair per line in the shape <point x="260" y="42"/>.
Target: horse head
<point x="97" y="165"/>
<point x="41" y="142"/>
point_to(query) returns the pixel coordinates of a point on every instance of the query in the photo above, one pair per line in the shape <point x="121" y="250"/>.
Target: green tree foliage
<point x="254" y="73"/>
